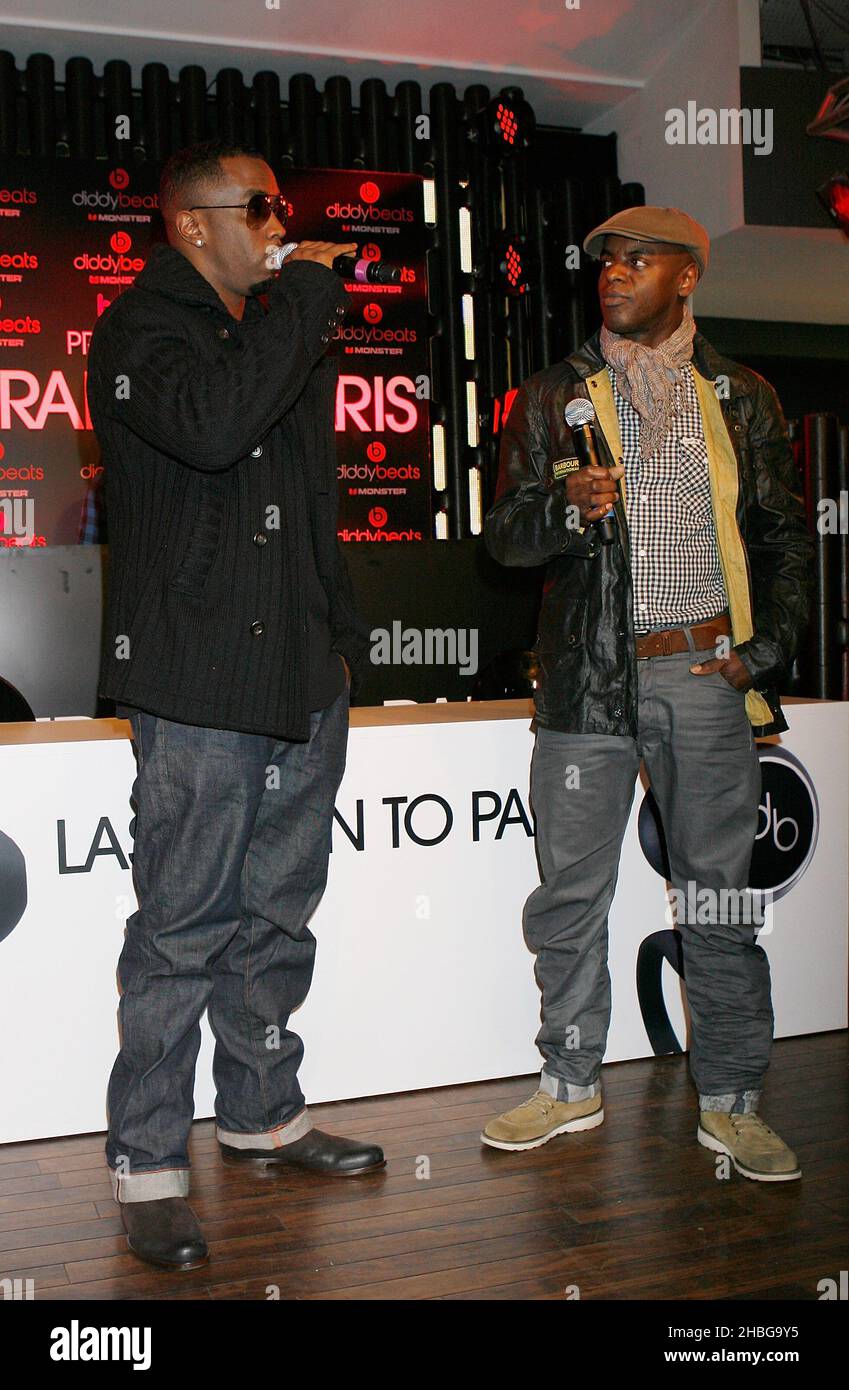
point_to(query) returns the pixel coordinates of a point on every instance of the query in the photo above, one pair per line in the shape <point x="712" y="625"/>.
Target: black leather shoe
<point x="317" y="1151"/>
<point x="165" y="1232"/>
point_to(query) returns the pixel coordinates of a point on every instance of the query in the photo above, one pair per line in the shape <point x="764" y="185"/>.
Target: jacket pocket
<point x="570" y="636"/>
<point x="693" y="478"/>
<point x="204" y="540"/>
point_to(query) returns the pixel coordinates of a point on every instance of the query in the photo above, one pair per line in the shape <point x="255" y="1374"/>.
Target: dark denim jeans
<point x="696" y="741"/>
<point x="230" y="861"/>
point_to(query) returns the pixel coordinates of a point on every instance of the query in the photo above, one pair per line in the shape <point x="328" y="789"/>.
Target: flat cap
<point x="653" y="224"/>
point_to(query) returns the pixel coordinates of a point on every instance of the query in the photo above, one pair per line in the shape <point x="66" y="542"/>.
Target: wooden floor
<point x="631" y="1210"/>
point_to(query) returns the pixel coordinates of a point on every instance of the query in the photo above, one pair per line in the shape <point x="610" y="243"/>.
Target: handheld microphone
<point x="579" y="417"/>
<point x="349" y="267"/>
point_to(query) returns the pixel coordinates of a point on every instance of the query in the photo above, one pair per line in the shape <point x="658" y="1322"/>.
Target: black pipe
<point x="41" y="104"/>
<point x="449" y="343"/>
<point x="8" y="104"/>
<point x="632" y="195"/>
<point x="118" y="109"/>
<point x="80" y="95"/>
<point x="374" y="123"/>
<point x="156" y="113"/>
<point x="821" y="479"/>
<point x="340" y="123"/>
<point x="515" y="217"/>
<point x="304" y="113"/>
<point x="268" y="135"/>
<point x="574" y="308"/>
<point x="192" y="89"/>
<point x="483" y="197"/>
<point x="414" y="148"/>
<point x="230" y="106"/>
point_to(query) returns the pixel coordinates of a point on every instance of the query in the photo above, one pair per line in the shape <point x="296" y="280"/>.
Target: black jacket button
<point x="256" y="453"/>
<point x="223" y="332"/>
<point x="324" y="338"/>
<point x="260" y="538"/>
<point x="257" y="629"/>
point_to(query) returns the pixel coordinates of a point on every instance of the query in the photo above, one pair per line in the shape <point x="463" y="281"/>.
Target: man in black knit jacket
<point x="231" y="643"/>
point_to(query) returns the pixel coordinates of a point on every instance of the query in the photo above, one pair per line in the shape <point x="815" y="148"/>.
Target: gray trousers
<point x="696" y="742"/>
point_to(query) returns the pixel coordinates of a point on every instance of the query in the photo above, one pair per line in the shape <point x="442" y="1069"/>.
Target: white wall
<point x="705" y="180"/>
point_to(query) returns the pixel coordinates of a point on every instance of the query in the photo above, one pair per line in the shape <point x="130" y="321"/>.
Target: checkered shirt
<point x="674" y="555"/>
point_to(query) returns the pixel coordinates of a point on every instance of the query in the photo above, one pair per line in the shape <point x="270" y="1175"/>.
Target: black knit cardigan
<point x="220" y="469"/>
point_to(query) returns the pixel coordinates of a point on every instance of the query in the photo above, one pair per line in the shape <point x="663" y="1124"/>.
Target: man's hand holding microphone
<point x="323" y="251"/>
<point x="593" y="490"/>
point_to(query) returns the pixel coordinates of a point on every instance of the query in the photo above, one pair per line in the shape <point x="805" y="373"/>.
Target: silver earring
<point x="200" y="243"/>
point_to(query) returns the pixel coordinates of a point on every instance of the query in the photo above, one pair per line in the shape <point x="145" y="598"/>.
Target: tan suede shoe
<point x="537" y="1120"/>
<point x="755" y="1150"/>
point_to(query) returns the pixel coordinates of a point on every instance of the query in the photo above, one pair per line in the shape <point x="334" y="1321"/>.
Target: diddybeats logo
<point x="18" y="196"/>
<point x="102" y="200"/>
<point x="369" y="209"/>
<point x="18" y="260"/>
<point x="119" y="263"/>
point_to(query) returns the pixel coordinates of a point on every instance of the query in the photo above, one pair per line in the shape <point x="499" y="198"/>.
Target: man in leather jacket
<point x="666" y="644"/>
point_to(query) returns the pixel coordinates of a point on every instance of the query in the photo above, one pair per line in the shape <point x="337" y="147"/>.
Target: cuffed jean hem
<point x="275" y="1138"/>
<point x="741" y="1103"/>
<point x="567" y="1091"/>
<point x="149" y="1187"/>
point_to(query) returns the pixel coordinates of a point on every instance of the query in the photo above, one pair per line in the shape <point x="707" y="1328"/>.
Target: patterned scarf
<point x="647" y="377"/>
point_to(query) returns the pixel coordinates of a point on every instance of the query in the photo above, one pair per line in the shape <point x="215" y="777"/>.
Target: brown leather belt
<point x="674" y="639"/>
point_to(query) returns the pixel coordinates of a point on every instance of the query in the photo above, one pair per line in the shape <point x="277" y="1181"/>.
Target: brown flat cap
<point x="654" y="224"/>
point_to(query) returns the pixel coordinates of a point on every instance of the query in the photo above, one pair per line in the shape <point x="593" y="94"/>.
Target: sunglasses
<point x="259" y="208"/>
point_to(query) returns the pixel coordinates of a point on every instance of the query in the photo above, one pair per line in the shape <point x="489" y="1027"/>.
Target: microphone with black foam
<point x="349" y="267"/>
<point x="580" y="415"/>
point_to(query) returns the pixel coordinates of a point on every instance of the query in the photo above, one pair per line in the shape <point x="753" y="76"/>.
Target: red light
<point x="840" y="202"/>
<point x="834" y="196"/>
<point x="507" y="122"/>
<point x="513" y="265"/>
<point x="508" y="403"/>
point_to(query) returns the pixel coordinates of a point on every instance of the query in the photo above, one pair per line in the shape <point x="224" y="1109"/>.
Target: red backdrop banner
<point x="75" y="233"/>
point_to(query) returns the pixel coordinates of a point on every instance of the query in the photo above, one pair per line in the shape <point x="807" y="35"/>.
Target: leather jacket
<point x="585" y="648"/>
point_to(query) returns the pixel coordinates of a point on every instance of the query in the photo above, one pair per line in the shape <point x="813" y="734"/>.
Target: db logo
<point x="119" y="178"/>
<point x="13" y="885"/>
<point x="370" y="252"/>
<point x="369" y="192"/>
<point x="372" y="313"/>
<point x="376" y="453"/>
<point x="782" y="832"/>
<point x="788" y="822"/>
<point x="377" y="517"/>
<point x="120" y="242"/>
